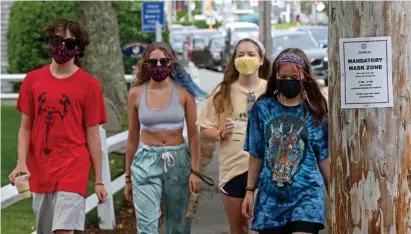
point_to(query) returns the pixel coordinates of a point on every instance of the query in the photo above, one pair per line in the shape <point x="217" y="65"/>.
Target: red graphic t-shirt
<point x="61" y="110"/>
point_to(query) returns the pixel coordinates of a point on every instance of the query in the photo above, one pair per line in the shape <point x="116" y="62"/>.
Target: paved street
<point x="211" y="217"/>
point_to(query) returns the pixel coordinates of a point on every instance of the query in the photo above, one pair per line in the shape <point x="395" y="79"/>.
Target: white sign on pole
<point x="320" y="7"/>
<point x="366" y="72"/>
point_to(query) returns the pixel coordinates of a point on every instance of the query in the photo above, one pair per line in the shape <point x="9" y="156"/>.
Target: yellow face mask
<point x="247" y="65"/>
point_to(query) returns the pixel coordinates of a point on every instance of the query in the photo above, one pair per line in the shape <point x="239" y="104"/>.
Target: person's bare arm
<point x="323" y="156"/>
<point x="324" y="166"/>
<point x="94" y="146"/>
<point x="254" y="168"/>
<point x="24" y="138"/>
<point x="210" y="133"/>
<point x="23" y="144"/>
<point x="192" y="130"/>
<point x="133" y="129"/>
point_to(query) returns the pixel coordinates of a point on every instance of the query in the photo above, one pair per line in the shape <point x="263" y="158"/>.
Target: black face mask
<point x="289" y="88"/>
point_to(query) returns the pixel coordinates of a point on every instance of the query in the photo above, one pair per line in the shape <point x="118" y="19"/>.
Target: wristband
<point x="252" y="189"/>
<point x="219" y="133"/>
<point x="99" y="184"/>
<point x="128" y="176"/>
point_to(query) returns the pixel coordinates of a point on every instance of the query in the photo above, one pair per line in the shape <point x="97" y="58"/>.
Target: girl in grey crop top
<point x="169" y="118"/>
<point x="173" y="165"/>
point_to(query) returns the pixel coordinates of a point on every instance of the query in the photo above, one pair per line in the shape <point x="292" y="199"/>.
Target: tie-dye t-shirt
<point x="290" y="185"/>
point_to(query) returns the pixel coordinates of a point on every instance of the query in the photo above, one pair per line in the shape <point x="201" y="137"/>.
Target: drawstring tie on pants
<point x="169" y="160"/>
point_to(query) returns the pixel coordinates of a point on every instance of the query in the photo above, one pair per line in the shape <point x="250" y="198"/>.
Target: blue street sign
<point x="153" y="12"/>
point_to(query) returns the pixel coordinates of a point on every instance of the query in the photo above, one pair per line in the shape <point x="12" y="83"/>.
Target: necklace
<point x="250" y="100"/>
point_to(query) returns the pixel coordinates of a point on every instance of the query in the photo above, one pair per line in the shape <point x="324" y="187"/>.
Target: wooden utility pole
<point x="265" y="26"/>
<point x="370" y="148"/>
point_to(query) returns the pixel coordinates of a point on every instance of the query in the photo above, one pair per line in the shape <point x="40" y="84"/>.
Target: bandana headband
<point x="291" y="58"/>
<point x="262" y="48"/>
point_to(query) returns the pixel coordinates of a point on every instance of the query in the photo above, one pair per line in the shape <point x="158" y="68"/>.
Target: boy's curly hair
<point x="76" y="30"/>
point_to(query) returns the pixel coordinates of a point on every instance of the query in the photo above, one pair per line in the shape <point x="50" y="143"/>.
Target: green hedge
<point x="27" y="49"/>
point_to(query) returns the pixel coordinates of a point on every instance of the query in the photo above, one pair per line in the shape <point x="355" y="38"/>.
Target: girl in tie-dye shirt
<point x="287" y="138"/>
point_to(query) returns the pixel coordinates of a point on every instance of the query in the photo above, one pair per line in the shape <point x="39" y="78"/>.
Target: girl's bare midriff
<point x="166" y="137"/>
<point x="163" y="138"/>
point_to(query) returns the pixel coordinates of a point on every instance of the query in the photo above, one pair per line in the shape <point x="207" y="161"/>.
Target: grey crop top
<point x="169" y="118"/>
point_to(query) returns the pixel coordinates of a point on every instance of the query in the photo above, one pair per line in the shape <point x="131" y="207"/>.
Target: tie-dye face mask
<point x="61" y="54"/>
<point x="158" y="73"/>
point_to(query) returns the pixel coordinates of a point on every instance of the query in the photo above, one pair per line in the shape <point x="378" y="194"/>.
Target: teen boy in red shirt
<point x="62" y="107"/>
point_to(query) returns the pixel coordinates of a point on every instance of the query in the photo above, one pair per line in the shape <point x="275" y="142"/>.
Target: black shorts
<point x="297" y="226"/>
<point x="236" y="186"/>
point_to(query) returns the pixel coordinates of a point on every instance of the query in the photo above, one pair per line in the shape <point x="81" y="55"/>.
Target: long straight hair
<point x="178" y="74"/>
<point x="312" y="95"/>
<point x="222" y="97"/>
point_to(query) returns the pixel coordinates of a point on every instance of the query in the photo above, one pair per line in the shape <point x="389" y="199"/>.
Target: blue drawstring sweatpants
<point x="159" y="171"/>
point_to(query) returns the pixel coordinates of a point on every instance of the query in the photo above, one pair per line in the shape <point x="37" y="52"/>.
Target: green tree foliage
<point x="27" y="48"/>
<point x="129" y="26"/>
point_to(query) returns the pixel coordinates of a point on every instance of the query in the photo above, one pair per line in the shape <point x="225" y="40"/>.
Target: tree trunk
<point x="103" y="58"/>
<point x="370" y="189"/>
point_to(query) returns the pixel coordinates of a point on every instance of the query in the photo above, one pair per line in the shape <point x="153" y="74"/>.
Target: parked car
<point x="214" y="53"/>
<point x="307" y="43"/>
<point x="177" y="40"/>
<point x="320" y="33"/>
<point x="234" y="33"/>
<point x="195" y="44"/>
<point x="189" y="27"/>
<point x="176" y="28"/>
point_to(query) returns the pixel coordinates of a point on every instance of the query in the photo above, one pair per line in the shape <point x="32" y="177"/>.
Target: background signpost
<point x="153" y="20"/>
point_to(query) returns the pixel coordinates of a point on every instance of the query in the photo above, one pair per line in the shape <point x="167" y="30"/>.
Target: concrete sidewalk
<point x="211" y="218"/>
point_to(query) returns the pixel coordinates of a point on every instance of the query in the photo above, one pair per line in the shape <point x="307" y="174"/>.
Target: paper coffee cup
<point x="238" y="133"/>
<point x="23" y="187"/>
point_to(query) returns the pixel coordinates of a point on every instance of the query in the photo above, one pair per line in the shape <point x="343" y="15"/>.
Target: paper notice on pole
<point x="366" y="72"/>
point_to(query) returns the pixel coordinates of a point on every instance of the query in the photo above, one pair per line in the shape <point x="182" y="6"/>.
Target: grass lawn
<point x="19" y="218"/>
<point x="284" y="26"/>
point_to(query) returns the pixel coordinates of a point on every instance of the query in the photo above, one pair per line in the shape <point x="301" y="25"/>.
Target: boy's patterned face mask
<point x="158" y="73"/>
<point x="61" y="54"/>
